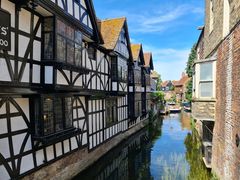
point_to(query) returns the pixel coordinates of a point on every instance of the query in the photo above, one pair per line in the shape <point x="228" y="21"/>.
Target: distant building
<point x="167" y="86"/>
<point x="180" y="87"/>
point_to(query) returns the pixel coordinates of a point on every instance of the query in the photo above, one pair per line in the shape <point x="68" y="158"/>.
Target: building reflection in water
<point x="134" y="159"/>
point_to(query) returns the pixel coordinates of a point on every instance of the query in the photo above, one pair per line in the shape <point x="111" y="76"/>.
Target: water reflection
<point x="167" y="149"/>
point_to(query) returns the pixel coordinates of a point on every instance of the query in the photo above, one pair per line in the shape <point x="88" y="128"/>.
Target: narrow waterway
<point x="166" y="149"/>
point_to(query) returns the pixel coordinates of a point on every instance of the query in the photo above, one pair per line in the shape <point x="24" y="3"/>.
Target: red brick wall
<point x="226" y="155"/>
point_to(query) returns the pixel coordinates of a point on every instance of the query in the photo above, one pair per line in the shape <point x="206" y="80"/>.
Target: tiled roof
<point x="135" y="51"/>
<point x="182" y="81"/>
<point x="165" y="83"/>
<point x="147" y="59"/>
<point x="110" y="30"/>
<point x="154" y="75"/>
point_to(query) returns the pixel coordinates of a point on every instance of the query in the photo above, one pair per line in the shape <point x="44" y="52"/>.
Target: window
<point x="114" y="68"/>
<point x="119" y="69"/>
<point x="138" y="104"/>
<point x="92" y="53"/>
<point x="48" y="35"/>
<point x="137" y="76"/>
<point x="111" y="111"/>
<point x="56" y="115"/>
<point x="206" y="79"/>
<point x="68" y="42"/>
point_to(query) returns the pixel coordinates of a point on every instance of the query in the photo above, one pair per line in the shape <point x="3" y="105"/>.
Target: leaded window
<point x="57" y="114"/>
<point x="68" y="42"/>
<point x="111" y="111"/>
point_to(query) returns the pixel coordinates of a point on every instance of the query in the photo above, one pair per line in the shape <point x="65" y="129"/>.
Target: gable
<point x="137" y="53"/>
<point x="122" y="44"/>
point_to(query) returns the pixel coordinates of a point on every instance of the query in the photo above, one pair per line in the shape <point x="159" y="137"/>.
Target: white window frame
<point x="197" y="80"/>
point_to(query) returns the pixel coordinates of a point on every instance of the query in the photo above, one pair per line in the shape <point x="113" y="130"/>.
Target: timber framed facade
<point x="63" y="84"/>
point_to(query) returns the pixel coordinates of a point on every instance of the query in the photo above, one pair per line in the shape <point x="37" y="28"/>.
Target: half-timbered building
<point x="63" y="82"/>
<point x="146" y="81"/>
<point x="137" y="103"/>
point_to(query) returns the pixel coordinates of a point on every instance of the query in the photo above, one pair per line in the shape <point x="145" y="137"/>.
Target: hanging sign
<point x="5" y="34"/>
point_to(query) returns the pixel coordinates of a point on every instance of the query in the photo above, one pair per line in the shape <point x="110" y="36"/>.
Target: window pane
<point x="92" y="53"/>
<point x="206" y="71"/>
<point x="58" y="114"/>
<point x="48" y="46"/>
<point x="111" y="111"/>
<point x="78" y="55"/>
<point x="206" y="89"/>
<point x="61" y="27"/>
<point x="48" y="116"/>
<point x="69" y="32"/>
<point x="48" y="24"/>
<point x="61" y="49"/>
<point x="68" y="112"/>
<point x="70" y="52"/>
<point x="78" y="37"/>
<point x="114" y="68"/>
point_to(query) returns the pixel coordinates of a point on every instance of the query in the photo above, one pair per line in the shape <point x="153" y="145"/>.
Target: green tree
<point x="157" y="97"/>
<point x="159" y="82"/>
<point x="191" y="58"/>
<point x="189" y="70"/>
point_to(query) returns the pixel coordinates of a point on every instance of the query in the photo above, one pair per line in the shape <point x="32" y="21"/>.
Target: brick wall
<point x="226" y="155"/>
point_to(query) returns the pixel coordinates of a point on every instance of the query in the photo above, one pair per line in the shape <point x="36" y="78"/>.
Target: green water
<point x="166" y="150"/>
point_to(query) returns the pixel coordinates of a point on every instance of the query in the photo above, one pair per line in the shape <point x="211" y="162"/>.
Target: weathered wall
<point x="226" y="155"/>
<point x="203" y="110"/>
<point x="214" y="37"/>
<point x="71" y="165"/>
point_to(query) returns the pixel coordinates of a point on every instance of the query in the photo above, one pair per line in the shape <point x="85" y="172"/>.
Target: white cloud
<point x="160" y="20"/>
<point x="170" y="63"/>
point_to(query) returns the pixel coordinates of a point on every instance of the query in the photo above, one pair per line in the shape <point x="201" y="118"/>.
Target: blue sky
<point x="167" y="28"/>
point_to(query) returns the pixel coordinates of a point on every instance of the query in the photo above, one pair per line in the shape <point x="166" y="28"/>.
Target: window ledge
<point x="56" y="137"/>
<point x="65" y="65"/>
<point x="204" y="100"/>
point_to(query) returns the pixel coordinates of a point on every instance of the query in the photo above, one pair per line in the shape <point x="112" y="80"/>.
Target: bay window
<point x="51" y="114"/>
<point x="68" y="42"/>
<point x="204" y="73"/>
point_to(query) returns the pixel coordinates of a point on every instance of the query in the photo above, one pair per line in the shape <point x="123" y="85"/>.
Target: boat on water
<point x="175" y="109"/>
<point x="187" y="107"/>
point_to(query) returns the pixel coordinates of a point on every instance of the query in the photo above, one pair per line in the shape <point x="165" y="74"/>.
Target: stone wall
<point x="68" y="167"/>
<point x="226" y="154"/>
<point x="203" y="110"/>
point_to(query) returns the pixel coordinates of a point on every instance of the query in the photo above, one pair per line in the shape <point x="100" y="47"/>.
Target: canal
<point x="167" y="149"/>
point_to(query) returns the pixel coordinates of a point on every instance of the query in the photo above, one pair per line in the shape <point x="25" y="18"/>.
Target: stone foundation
<point x="68" y="167"/>
<point x="203" y="110"/>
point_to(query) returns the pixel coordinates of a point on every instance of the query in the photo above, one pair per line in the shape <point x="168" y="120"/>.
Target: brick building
<point x="216" y="87"/>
